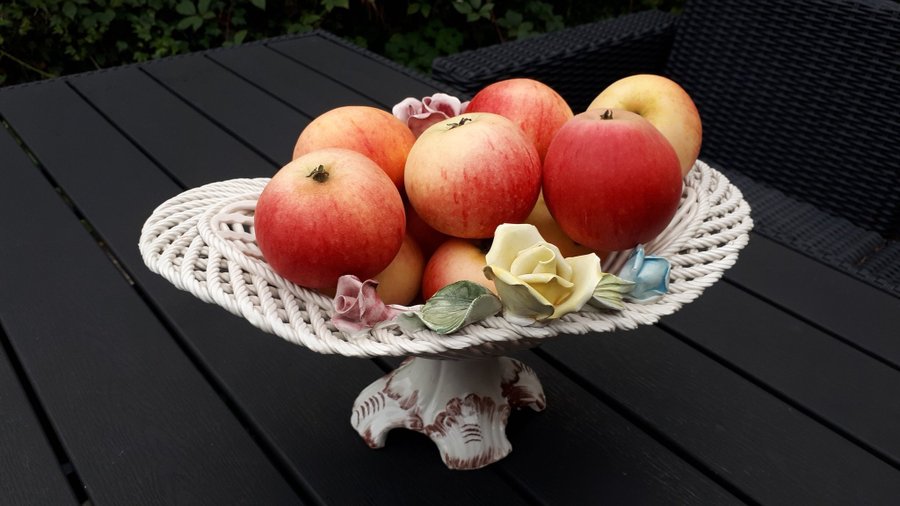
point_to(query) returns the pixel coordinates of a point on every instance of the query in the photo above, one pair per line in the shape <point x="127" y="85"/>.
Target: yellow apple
<point x="663" y="103"/>
<point x="399" y="282"/>
<point x="541" y="218"/>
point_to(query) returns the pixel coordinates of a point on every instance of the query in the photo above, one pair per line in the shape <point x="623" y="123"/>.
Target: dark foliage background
<point x="47" y="38"/>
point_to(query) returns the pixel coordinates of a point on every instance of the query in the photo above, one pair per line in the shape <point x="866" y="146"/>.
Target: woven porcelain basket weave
<point x="202" y="241"/>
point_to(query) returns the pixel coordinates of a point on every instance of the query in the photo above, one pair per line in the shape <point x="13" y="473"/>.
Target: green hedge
<point x="47" y="38"/>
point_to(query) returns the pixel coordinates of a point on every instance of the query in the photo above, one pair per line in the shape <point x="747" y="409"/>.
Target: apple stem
<point x="607" y="114"/>
<point x="319" y="174"/>
<point x="462" y="121"/>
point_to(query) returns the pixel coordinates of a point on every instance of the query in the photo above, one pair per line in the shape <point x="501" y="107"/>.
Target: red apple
<point x="367" y="130"/>
<point x="455" y="260"/>
<point x="532" y="105"/>
<point x="611" y="180"/>
<point x="399" y="283"/>
<point x="328" y="213"/>
<point x="426" y="237"/>
<point x="466" y="175"/>
<point x="663" y="103"/>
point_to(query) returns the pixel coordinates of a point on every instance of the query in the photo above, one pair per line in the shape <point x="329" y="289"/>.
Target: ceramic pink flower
<point x="421" y="114"/>
<point x="357" y="306"/>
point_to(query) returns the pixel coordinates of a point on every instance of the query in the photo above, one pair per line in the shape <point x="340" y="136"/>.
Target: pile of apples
<point x="364" y="196"/>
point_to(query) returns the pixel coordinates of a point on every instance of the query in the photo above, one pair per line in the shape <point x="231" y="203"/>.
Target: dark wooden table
<point x="780" y="385"/>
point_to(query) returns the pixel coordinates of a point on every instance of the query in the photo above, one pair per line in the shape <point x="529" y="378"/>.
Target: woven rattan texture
<point x="578" y="62"/>
<point x="202" y="241"/>
<point x="805" y="227"/>
<point x="861" y="253"/>
<point x="801" y="95"/>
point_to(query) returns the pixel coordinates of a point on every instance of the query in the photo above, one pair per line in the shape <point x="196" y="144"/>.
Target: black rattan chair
<point x="800" y="103"/>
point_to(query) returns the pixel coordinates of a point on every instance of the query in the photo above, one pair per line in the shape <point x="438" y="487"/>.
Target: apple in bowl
<point x="367" y="130"/>
<point x="468" y="174"/>
<point x="611" y="180"/>
<point x="455" y="260"/>
<point x="328" y="213"/>
<point x="400" y="282"/>
<point x="532" y="105"/>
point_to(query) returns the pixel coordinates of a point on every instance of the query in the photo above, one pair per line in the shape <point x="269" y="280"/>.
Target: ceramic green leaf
<point x="609" y="292"/>
<point x="453" y="307"/>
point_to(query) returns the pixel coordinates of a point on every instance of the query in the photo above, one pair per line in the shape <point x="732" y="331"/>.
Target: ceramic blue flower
<point x="649" y="274"/>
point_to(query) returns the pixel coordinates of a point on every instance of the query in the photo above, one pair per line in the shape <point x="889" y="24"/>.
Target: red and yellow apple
<point x="426" y="237"/>
<point x="611" y="180"/>
<point x="532" y="105"/>
<point x="455" y="260"/>
<point x="467" y="175"/>
<point x="400" y="282"/>
<point x="367" y="130"/>
<point x="665" y="104"/>
<point x="330" y="212"/>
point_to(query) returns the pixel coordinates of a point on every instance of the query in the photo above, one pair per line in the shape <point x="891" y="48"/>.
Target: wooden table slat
<point x="29" y="471"/>
<point x="382" y="84"/>
<point x="233" y="102"/>
<point x="304" y="89"/>
<point x="853" y="391"/>
<point x="580" y="448"/>
<point x="92" y="350"/>
<point x="185" y="145"/>
<point x="771" y="452"/>
<point x="855" y="311"/>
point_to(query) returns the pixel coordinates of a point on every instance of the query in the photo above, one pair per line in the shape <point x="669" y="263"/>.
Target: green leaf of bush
<point x="187" y="8"/>
<point x="69" y="9"/>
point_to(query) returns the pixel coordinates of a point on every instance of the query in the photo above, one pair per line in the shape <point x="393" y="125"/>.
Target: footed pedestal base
<point x="462" y="405"/>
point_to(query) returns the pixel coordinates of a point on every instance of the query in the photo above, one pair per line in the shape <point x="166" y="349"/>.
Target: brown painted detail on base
<point x="367" y="437"/>
<point x="482" y="409"/>
<point x="370" y="406"/>
<point x="471" y="433"/>
<point x="410" y="401"/>
<point x="519" y="395"/>
<point x="477" y="461"/>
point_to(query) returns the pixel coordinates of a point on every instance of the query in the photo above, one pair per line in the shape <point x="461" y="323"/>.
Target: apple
<point x="532" y="105"/>
<point x="611" y="180"/>
<point x="455" y="260"/>
<point x="550" y="230"/>
<point x="399" y="283"/>
<point x="426" y="237"/>
<point x="328" y="213"/>
<point x="467" y="175"/>
<point x="663" y="103"/>
<point x="367" y="130"/>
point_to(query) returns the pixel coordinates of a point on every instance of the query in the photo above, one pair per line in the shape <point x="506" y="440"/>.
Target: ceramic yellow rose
<point x="533" y="279"/>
